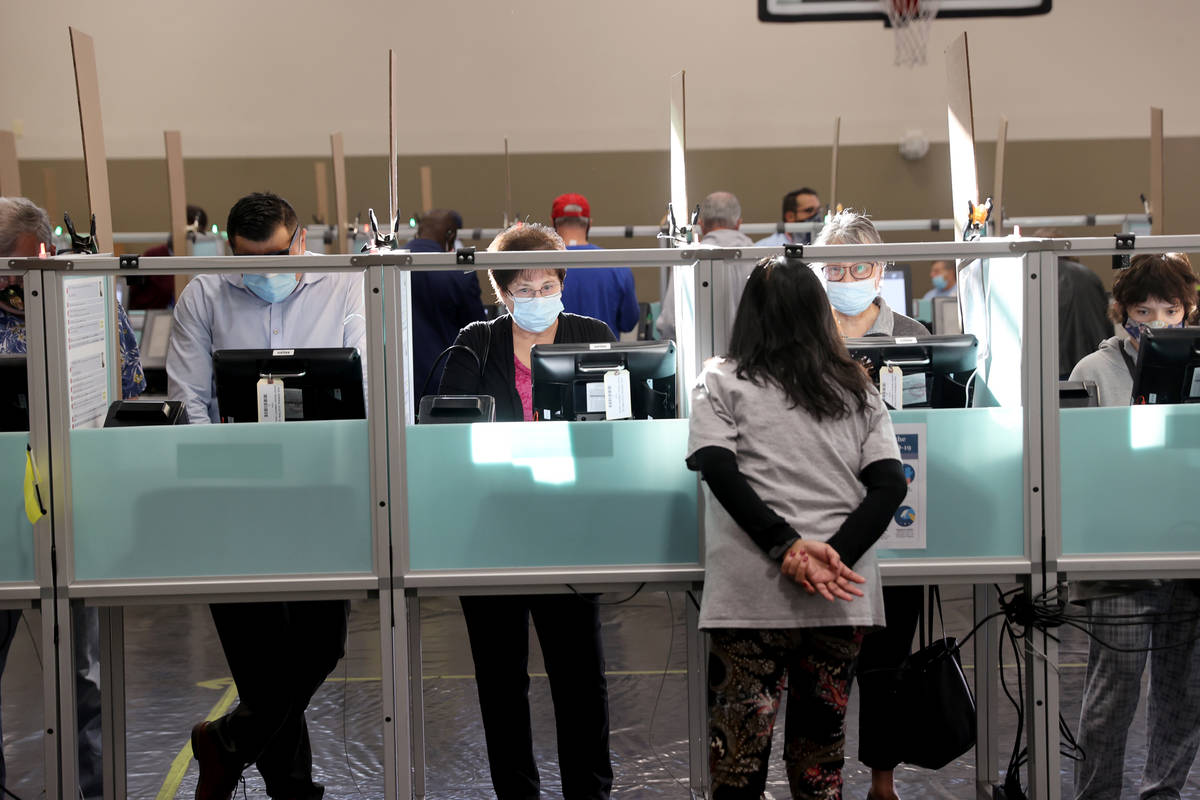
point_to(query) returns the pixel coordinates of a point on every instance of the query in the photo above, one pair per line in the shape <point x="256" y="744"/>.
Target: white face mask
<point x="536" y="314"/>
<point x="851" y="297"/>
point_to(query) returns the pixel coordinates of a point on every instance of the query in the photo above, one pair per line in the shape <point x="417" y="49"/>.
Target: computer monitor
<point x="896" y="287"/>
<point x="568" y="379"/>
<point x="319" y="383"/>
<point x="946" y="316"/>
<point x="946" y="362"/>
<point x="1168" y="367"/>
<point x="155" y="338"/>
<point x="14" y="394"/>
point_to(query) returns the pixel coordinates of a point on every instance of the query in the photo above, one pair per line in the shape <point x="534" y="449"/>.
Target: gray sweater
<point x="1108" y="369"/>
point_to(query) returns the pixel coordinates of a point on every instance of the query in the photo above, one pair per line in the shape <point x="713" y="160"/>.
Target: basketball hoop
<point x="911" y="20"/>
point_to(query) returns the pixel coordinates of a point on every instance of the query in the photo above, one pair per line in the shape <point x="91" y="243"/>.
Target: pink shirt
<point x="524" y="381"/>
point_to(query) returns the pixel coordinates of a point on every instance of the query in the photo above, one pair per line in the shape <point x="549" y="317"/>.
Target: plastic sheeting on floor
<point x="176" y="675"/>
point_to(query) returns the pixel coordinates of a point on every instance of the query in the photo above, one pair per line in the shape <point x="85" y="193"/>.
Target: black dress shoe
<point x="218" y="778"/>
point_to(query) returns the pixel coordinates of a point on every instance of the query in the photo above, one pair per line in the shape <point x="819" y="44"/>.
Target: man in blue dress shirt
<point x="443" y="303"/>
<point x="278" y="653"/>
<point x="605" y="293"/>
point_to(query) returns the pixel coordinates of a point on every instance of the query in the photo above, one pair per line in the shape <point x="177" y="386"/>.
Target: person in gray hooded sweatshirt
<point x="1156" y="291"/>
<point x="1131" y="617"/>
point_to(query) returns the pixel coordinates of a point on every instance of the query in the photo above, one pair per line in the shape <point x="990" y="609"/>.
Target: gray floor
<point x="177" y="675"/>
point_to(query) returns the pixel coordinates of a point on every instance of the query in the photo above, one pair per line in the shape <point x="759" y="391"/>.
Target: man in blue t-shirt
<point x="605" y="293"/>
<point x="443" y="303"/>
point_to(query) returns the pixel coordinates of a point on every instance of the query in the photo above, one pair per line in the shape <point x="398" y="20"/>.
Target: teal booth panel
<point x="1130" y="475"/>
<point x="974" y="493"/>
<point x="16" y="534"/>
<point x="212" y="500"/>
<point x="549" y="494"/>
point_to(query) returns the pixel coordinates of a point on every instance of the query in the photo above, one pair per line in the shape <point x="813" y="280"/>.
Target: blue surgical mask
<point x="535" y="314"/>
<point x="1134" y="329"/>
<point x="272" y="286"/>
<point x="939" y="282"/>
<point x="850" y="297"/>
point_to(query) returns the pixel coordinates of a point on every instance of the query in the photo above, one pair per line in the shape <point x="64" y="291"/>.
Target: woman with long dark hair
<point x="802" y="473"/>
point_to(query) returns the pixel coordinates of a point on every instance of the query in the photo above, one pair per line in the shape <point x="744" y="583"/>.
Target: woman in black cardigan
<point x="493" y="358"/>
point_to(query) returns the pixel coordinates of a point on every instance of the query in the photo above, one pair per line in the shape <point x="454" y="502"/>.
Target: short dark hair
<point x="256" y="216"/>
<point x="789" y="199"/>
<point x="1166" y="276"/>
<point x="522" y="236"/>
<point x="784" y="334"/>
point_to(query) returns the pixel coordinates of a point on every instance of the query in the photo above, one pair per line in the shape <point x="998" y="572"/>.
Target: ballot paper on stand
<point x="906" y="531"/>
<point x="85" y="324"/>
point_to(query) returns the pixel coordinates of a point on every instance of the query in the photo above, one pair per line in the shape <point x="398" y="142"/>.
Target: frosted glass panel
<point x="550" y="494"/>
<point x="16" y="534"/>
<point x="204" y="500"/>
<point x="1130" y="475"/>
<point x="976" y="471"/>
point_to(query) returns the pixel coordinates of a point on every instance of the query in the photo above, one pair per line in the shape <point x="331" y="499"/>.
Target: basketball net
<point x="911" y="20"/>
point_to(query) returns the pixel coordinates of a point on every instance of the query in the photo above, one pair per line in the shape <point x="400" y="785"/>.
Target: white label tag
<point x="595" y="397"/>
<point x="600" y="346"/>
<point x="891" y="386"/>
<point x="617" y="402"/>
<point x="914" y="389"/>
<point x="283" y="352"/>
<point x="906" y="340"/>
<point x="1194" y="392"/>
<point x="270" y="400"/>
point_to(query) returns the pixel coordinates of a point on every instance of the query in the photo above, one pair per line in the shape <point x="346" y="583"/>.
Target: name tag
<point x="270" y="400"/>
<point x="891" y="386"/>
<point x="617" y="402"/>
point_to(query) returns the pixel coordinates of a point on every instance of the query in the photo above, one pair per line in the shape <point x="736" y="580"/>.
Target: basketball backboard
<point x="842" y="10"/>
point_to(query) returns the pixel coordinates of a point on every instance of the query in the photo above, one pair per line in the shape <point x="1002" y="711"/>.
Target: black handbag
<point x="938" y="720"/>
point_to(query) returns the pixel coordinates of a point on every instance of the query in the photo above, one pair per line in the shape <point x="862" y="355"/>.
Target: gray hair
<point x="19" y="216"/>
<point x="720" y="210"/>
<point x="849" y="227"/>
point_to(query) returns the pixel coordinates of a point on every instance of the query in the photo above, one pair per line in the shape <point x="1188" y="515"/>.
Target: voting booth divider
<point x="1002" y="489"/>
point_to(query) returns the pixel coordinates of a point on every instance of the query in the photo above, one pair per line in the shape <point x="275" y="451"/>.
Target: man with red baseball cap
<point x="605" y="293"/>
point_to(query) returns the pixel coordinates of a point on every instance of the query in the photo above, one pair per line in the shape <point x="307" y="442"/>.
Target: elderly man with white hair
<point x="720" y="219"/>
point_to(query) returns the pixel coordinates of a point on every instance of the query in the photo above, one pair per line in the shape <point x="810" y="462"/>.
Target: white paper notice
<point x="595" y="397"/>
<point x="87" y="350"/>
<point x="907" y="528"/>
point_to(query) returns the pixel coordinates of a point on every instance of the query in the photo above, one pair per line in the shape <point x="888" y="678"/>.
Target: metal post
<point x="987" y="654"/>
<point x="416" y="694"/>
<point x="1039" y="398"/>
<point x="112" y="700"/>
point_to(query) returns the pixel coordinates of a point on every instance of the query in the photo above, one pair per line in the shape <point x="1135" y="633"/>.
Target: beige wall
<point x="1043" y="178"/>
<point x="271" y="78"/>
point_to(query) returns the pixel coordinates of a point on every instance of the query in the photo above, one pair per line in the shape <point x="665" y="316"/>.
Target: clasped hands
<point x="817" y="567"/>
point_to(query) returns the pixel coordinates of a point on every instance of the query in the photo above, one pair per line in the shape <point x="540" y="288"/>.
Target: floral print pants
<point x="748" y="671"/>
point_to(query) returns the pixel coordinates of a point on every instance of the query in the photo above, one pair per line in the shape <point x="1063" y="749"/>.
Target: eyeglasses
<point x="858" y="272"/>
<point x="547" y="290"/>
<point x="287" y="251"/>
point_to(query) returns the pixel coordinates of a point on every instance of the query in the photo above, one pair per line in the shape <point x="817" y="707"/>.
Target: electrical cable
<point x="8" y="793"/>
<point x="33" y="639"/>
<point x="636" y="592"/>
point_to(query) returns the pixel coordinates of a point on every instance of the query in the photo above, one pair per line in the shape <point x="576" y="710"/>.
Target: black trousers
<point x="279" y="654"/>
<point x="882" y="653"/>
<point x="568" y="629"/>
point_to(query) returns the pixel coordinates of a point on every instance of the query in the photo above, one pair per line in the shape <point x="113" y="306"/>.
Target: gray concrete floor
<point x="176" y="676"/>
